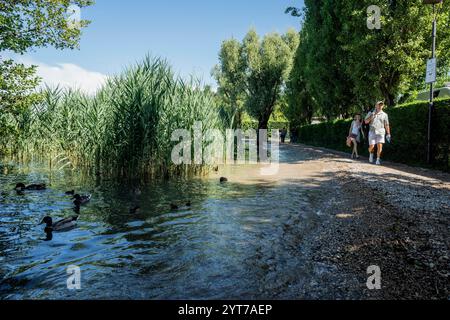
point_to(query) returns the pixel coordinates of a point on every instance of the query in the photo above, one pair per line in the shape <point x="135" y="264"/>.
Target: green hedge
<point x="273" y="125"/>
<point x="409" y="123"/>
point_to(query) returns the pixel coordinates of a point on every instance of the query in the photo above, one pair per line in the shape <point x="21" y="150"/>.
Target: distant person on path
<point x="354" y="135"/>
<point x="283" y="134"/>
<point x="379" y="131"/>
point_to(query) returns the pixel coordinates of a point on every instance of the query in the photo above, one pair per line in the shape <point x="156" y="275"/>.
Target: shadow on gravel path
<point x="395" y="217"/>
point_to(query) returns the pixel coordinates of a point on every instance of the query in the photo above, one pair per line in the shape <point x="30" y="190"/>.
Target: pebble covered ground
<point x="392" y="216"/>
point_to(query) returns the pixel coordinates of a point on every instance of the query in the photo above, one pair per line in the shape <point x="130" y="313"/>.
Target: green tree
<point x="25" y="25"/>
<point x="300" y="108"/>
<point x="230" y="76"/>
<point x="17" y="84"/>
<point x="330" y="86"/>
<point x="391" y="60"/>
<point x="319" y="63"/>
<point x="268" y="64"/>
<point x="256" y="71"/>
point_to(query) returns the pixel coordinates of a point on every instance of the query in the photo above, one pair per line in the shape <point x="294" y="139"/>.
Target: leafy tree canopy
<point x="26" y="25"/>
<point x="343" y="66"/>
<point x="256" y="70"/>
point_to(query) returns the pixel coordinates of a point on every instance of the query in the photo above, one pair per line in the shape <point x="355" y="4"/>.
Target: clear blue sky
<point x="186" y="32"/>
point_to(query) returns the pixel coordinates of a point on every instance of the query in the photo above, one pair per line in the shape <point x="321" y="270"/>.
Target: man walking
<point x="379" y="130"/>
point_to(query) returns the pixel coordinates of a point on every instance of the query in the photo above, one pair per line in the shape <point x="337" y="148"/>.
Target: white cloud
<point x="67" y="75"/>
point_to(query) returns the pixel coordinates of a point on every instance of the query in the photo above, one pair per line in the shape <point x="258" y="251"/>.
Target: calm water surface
<point x="215" y="249"/>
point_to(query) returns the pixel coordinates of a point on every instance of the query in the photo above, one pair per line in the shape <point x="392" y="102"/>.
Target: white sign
<point x="431" y="71"/>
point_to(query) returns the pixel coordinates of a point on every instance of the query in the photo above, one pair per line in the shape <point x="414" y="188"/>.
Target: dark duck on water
<point x="174" y="206"/>
<point x="81" y="199"/>
<point x="61" y="225"/>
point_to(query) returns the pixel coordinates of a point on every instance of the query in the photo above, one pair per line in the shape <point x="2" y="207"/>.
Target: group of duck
<point x="60" y="225"/>
<point x="78" y="201"/>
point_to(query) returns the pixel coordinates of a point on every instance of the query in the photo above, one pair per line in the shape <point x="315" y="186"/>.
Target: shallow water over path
<point x="229" y="244"/>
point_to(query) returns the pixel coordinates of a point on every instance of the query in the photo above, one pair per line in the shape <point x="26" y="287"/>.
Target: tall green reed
<point x="126" y="128"/>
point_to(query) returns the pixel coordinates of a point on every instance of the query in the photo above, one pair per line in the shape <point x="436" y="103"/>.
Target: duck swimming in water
<point x="61" y="225"/>
<point x="81" y="200"/>
<point x="49" y="234"/>
<point x="70" y="193"/>
<point x="34" y="187"/>
<point x="174" y="206"/>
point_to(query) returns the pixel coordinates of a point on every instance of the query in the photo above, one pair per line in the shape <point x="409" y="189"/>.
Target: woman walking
<point x="354" y="135"/>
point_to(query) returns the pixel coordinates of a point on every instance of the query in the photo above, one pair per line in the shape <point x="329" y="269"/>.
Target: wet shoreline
<point x="308" y="232"/>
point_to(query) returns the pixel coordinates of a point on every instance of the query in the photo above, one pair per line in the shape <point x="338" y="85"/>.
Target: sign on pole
<point x="431" y="71"/>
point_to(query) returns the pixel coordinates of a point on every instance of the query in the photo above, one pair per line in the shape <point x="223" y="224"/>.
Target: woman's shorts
<point x="376" y="139"/>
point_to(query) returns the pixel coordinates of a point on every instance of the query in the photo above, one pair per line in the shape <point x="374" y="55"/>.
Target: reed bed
<point x="125" y="129"/>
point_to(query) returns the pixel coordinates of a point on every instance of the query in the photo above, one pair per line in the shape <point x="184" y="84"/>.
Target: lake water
<point x="230" y="244"/>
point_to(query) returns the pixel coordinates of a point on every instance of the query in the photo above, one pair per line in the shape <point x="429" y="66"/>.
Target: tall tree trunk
<point x="386" y="88"/>
<point x="239" y="119"/>
<point x="263" y="123"/>
<point x="389" y="99"/>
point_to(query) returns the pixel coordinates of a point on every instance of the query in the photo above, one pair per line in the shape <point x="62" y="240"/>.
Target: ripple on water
<point x="209" y="250"/>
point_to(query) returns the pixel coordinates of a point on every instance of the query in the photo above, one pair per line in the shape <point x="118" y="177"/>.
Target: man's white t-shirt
<point x="378" y="123"/>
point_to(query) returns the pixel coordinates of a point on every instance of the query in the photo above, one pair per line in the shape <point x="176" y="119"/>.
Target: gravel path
<point x="393" y="216"/>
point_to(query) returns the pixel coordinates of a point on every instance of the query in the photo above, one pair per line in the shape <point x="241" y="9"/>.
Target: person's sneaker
<point x="378" y="162"/>
<point x="371" y="158"/>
